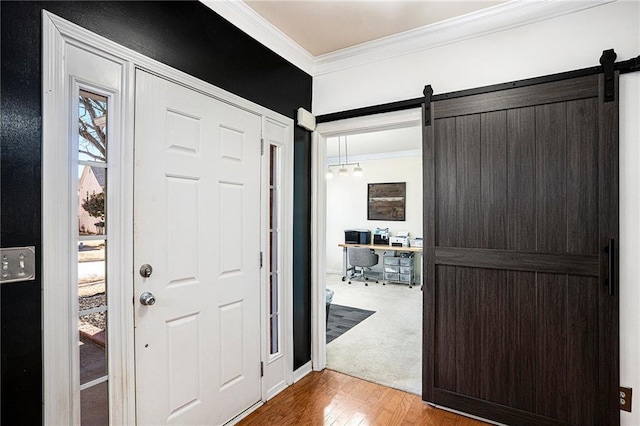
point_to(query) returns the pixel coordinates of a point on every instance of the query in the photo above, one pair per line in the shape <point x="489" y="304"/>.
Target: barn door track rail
<point x="608" y="66"/>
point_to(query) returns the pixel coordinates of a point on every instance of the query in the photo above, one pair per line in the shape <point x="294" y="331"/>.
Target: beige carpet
<point x="385" y="348"/>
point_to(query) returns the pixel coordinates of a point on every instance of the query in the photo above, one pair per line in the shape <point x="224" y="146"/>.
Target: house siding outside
<point x="92" y="181"/>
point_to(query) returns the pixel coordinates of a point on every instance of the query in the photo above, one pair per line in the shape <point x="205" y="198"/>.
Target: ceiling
<point x="368" y="145"/>
<point x="324" y="26"/>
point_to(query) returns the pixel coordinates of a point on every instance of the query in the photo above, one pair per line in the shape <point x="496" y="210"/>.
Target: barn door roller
<point x="608" y="61"/>
<point x="428" y="93"/>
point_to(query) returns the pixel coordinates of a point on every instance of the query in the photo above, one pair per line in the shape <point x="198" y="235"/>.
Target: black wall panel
<point x="185" y="35"/>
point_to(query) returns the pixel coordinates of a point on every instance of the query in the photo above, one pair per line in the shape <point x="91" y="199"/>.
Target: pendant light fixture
<point x="343" y="171"/>
<point x="329" y="174"/>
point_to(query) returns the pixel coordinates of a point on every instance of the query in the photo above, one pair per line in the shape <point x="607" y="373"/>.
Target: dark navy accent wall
<point x="185" y="35"/>
<point x="302" y="252"/>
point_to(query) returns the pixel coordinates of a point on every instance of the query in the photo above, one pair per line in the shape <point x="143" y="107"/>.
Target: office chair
<point x="363" y="258"/>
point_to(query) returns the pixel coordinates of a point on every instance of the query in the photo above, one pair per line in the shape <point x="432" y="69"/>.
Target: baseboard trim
<point x="302" y="371"/>
<point x="244" y="414"/>
<point x="276" y="390"/>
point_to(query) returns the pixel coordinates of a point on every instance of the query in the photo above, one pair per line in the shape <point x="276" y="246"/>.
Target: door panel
<point x="197" y="181"/>
<point x="521" y="174"/>
<point x="493" y="179"/>
<point x="518" y="321"/>
<point x="468" y="188"/>
<point x="551" y="235"/>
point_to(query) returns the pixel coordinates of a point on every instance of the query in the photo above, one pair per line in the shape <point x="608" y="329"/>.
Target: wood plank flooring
<point x="330" y="398"/>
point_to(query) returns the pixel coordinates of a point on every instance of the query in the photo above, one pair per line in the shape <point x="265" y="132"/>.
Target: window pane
<point x="273" y="313"/>
<point x="274" y="335"/>
<point x="92" y="127"/>
<point x="91" y="274"/>
<point x="93" y="346"/>
<point x="271" y="210"/>
<point x="273" y="248"/>
<point x="274" y="308"/>
<point x="272" y="164"/>
<point x="92" y="187"/>
<point x="92" y="290"/>
<point x="273" y="295"/>
<point x="94" y="405"/>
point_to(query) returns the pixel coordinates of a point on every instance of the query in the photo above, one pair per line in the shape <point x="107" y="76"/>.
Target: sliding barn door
<point x="521" y="225"/>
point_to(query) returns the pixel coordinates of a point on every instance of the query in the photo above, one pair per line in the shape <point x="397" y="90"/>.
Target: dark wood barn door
<point x="521" y="203"/>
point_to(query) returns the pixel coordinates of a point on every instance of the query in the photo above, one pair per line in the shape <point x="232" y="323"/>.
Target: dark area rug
<point x="344" y="318"/>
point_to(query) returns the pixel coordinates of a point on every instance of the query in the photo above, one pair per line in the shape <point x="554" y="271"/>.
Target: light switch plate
<point x="17" y="264"/>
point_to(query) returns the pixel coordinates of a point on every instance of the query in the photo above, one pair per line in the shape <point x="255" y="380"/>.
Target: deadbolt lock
<point x="146" y="270"/>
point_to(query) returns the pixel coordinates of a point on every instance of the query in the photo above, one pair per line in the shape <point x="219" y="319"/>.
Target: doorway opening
<point x="371" y="329"/>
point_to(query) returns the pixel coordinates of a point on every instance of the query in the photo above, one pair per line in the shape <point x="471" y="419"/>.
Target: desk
<point x="345" y="260"/>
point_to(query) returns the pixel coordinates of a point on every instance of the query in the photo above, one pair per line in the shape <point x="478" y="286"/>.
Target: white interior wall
<point x="630" y="240"/>
<point x="560" y="44"/>
<point x="347" y="203"/>
<point x="556" y="45"/>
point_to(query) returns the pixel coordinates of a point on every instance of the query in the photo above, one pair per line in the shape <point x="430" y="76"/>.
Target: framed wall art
<point x="386" y="201"/>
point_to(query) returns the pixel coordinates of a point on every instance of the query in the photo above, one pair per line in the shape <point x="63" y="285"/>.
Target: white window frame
<point x="284" y="206"/>
<point x="59" y="212"/>
<point x="60" y="234"/>
<point x="114" y="294"/>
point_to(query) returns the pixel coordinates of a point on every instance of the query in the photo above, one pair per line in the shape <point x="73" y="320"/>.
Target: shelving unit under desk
<point x="383" y="248"/>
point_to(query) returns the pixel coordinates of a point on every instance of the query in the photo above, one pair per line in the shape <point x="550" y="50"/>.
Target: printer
<point x="357" y="236"/>
<point x="400" y="240"/>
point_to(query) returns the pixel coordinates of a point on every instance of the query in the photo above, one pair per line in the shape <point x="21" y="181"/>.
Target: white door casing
<point x="60" y="389"/>
<point x="197" y="186"/>
<point x="371" y="123"/>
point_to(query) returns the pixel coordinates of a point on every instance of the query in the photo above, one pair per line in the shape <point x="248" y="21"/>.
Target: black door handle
<point x="611" y="277"/>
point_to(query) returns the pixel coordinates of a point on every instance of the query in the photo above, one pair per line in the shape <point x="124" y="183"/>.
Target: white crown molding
<point x="248" y="20"/>
<point x="512" y="14"/>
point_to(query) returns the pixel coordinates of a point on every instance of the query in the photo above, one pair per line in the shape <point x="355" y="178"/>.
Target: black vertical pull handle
<point x="611" y="277"/>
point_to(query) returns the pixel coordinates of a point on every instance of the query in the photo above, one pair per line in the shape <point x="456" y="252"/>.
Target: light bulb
<point x="343" y="172"/>
<point x="329" y="174"/>
<point x="357" y="171"/>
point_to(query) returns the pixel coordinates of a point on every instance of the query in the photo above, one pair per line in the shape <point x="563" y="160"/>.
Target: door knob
<point x="147" y="298"/>
<point x="146" y="270"/>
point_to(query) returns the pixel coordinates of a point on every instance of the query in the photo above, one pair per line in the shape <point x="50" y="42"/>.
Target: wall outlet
<point x="625" y="399"/>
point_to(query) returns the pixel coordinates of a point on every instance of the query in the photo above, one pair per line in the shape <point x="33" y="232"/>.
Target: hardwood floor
<point x="330" y="398"/>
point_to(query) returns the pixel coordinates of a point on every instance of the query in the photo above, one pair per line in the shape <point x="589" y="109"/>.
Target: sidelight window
<point x="92" y="285"/>
<point x="275" y="275"/>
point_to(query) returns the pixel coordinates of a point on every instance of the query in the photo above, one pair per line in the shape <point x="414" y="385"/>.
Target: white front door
<point x="197" y="224"/>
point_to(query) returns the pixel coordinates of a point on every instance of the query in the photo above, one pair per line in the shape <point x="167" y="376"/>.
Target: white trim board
<point x="302" y="372"/>
<point x="249" y="21"/>
<point x="512" y="14"/>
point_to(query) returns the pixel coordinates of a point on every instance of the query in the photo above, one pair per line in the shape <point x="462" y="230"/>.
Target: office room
<point x="374" y="323"/>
